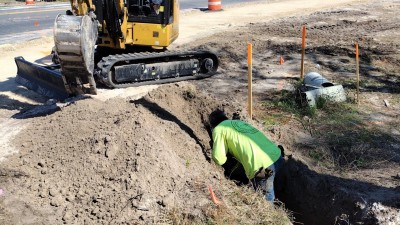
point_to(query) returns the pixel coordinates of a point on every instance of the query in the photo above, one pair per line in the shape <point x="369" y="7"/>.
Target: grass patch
<point x="347" y="140"/>
<point x="322" y="157"/>
<point x="281" y="106"/>
<point x="286" y="101"/>
<point x="241" y="205"/>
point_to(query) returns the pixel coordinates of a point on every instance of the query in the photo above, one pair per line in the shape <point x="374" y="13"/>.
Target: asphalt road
<point x="27" y="22"/>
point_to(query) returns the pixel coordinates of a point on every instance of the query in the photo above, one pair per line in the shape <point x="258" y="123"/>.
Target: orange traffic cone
<point x="36" y="24"/>
<point x="29" y="2"/>
<point x="214" y="5"/>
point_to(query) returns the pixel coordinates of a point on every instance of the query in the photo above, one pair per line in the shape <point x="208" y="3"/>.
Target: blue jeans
<point x="266" y="184"/>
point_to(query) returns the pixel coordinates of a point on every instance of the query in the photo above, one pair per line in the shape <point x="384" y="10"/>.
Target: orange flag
<point x="213" y="197"/>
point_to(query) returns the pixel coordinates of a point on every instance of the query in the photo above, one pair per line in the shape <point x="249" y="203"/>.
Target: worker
<point x="260" y="157"/>
<point x="156" y="5"/>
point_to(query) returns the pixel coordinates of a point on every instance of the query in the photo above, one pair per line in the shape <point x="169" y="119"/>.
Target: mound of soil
<point x="120" y="162"/>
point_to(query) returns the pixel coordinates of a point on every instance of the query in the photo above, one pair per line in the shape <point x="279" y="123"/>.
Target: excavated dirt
<point x="126" y="161"/>
<point x="120" y="162"/>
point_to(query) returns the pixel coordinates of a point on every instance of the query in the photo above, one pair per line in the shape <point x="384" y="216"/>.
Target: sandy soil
<point x="118" y="158"/>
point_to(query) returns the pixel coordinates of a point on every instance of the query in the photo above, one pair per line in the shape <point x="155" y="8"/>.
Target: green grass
<point x="347" y="140"/>
<point x="187" y="163"/>
<point x="286" y="101"/>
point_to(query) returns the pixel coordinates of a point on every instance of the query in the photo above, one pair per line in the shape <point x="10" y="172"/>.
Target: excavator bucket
<point x="44" y="80"/>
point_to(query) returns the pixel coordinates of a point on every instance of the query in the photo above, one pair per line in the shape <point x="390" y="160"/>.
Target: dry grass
<point x="244" y="206"/>
<point x="240" y="206"/>
<point x="348" y="141"/>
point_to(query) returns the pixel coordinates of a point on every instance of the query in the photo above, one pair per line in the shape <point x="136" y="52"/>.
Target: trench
<point x="306" y="194"/>
<point x="315" y="198"/>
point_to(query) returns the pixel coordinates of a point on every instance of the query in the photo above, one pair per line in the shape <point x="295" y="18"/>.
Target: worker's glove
<point x="236" y="116"/>
<point x="264" y="173"/>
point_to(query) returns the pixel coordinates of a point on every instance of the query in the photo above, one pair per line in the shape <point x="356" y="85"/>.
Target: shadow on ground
<point x="324" y="199"/>
<point x="13" y="103"/>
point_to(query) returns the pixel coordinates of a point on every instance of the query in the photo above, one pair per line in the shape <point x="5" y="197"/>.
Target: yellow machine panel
<point x="153" y="34"/>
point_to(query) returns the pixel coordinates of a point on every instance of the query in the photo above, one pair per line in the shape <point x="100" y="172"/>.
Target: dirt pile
<point x="116" y="162"/>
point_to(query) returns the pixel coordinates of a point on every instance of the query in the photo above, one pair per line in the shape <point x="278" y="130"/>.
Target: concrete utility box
<point x="316" y="86"/>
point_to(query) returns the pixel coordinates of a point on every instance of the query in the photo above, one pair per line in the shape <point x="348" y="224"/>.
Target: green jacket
<point x="247" y="144"/>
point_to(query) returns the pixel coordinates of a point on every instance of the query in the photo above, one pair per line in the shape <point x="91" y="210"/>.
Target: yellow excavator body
<point x="102" y="41"/>
<point x="155" y="34"/>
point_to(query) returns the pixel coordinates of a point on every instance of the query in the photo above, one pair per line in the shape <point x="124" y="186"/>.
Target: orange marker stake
<point x="213" y="197"/>
<point x="303" y="50"/>
<point x="357" y="75"/>
<point x="250" y="77"/>
<point x="281" y="61"/>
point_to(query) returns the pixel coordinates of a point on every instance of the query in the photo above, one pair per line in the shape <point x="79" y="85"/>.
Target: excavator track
<point x="120" y="71"/>
<point x="75" y="38"/>
<point x="136" y="69"/>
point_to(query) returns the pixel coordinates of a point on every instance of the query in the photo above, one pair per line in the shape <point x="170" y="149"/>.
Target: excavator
<point x="116" y="44"/>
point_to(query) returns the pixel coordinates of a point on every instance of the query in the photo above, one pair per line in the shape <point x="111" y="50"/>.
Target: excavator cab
<point x="138" y="23"/>
<point x="151" y="11"/>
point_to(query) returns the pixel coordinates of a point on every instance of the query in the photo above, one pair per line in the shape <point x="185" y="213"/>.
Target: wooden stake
<point x="303" y="50"/>
<point x="250" y="77"/>
<point x="357" y="76"/>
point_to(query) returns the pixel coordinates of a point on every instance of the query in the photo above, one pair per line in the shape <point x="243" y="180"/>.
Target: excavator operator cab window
<point x="150" y="11"/>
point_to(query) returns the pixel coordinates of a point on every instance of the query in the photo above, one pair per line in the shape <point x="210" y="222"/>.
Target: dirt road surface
<point x="121" y="158"/>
